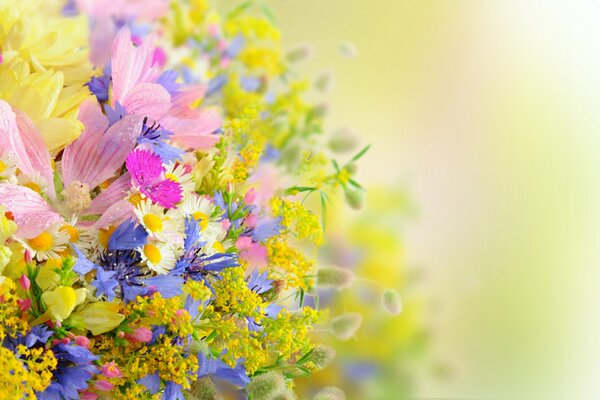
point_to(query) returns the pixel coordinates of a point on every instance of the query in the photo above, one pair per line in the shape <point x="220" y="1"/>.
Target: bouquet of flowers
<point x="154" y="238"/>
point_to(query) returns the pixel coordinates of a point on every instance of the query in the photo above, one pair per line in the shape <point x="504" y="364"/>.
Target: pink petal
<point x="166" y="193"/>
<point x="115" y="192"/>
<point x="118" y="212"/>
<point x="195" y="133"/>
<point x="130" y="65"/>
<point x="21" y="139"/>
<point x="145" y="167"/>
<point x="183" y="100"/>
<point x="148" y="99"/>
<point x="31" y="212"/>
<point x="96" y="156"/>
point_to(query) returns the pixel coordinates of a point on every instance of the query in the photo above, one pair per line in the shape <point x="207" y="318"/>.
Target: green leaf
<point x="267" y="11"/>
<point x="361" y="153"/>
<point x="239" y="9"/>
<point x="305" y="358"/>
<point x="323" y="210"/>
<point x="355" y="184"/>
<point x="301" y="297"/>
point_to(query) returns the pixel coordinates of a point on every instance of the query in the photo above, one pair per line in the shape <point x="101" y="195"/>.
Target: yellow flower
<point x="5" y="254"/>
<point x="98" y="317"/>
<point x="45" y="66"/>
<point x="62" y="300"/>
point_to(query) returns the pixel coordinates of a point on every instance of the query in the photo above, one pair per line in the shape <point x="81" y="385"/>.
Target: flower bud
<point x="28" y="256"/>
<point x="299" y="53"/>
<point x="24" y="304"/>
<point x="348" y="49"/>
<point x="111" y="370"/>
<point x="392" y="302"/>
<point x="24" y="282"/>
<point x="352" y="168"/>
<point x="324" y="81"/>
<point x="330" y="393"/>
<point x="335" y="277"/>
<point x="266" y="385"/>
<point x="342" y="141"/>
<point x="322" y="355"/>
<point x="204" y="389"/>
<point x="140" y="335"/>
<point x="283" y="395"/>
<point x="355" y="198"/>
<point x="82" y="341"/>
<point x="104" y="386"/>
<point x="346" y="325"/>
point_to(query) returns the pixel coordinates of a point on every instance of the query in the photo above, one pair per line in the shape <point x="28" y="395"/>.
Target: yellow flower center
<point x="135" y="199"/>
<point x="104" y="235"/>
<point x="2" y="166"/>
<point x="153" y="222"/>
<point x="201" y="218"/>
<point x="72" y="231"/>
<point x="42" y="242"/>
<point x="218" y="247"/>
<point x="33" y="186"/>
<point x="152" y="253"/>
<point x="172" y="177"/>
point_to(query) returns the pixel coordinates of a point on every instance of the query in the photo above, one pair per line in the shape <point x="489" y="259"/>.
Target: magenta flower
<point x="147" y="171"/>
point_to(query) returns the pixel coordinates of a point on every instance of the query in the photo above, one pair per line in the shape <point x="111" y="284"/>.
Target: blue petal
<point x="82" y="265"/>
<point x="172" y="392"/>
<point x="266" y="229"/>
<point x="128" y="236"/>
<point x="167" y="285"/>
<point x="152" y="382"/>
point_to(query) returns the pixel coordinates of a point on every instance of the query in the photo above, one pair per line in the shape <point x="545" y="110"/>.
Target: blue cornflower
<point x="266" y="229"/>
<point x="73" y="370"/>
<point x="168" y="80"/>
<point x="99" y="85"/>
<point x="157" y="137"/>
<point x="218" y="370"/>
<point x="235" y="46"/>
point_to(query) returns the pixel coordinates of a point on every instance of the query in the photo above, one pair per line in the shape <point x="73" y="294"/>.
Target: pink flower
<point x="88" y="395"/>
<point x="90" y="160"/>
<point x="82" y="341"/>
<point x="24" y="304"/>
<point x="104" y="386"/>
<point x="24" y="282"/>
<point x="140" y="335"/>
<point x="111" y="370"/>
<point x="147" y="171"/>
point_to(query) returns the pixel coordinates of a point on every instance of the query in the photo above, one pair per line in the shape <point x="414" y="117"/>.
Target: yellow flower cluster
<point x="25" y="372"/>
<point x="11" y="320"/>
<point x="303" y="223"/>
<point x="290" y="265"/>
<point x="156" y="310"/>
<point x="289" y="332"/>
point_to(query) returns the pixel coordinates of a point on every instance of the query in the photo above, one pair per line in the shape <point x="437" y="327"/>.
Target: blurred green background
<point x="486" y="113"/>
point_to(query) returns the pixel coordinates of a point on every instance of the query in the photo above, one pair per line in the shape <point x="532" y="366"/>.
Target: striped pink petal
<point x="21" y="139"/>
<point x="195" y="133"/>
<point x="114" y="193"/>
<point x="148" y="99"/>
<point x="97" y="155"/>
<point x="116" y="213"/>
<point x="31" y="212"/>
<point x="130" y="65"/>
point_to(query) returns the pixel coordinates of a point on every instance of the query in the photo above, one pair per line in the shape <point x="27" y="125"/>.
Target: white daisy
<point x="8" y="167"/>
<point x="163" y="226"/>
<point x="158" y="256"/>
<point x="35" y="181"/>
<point x="48" y="243"/>
<point x="177" y="173"/>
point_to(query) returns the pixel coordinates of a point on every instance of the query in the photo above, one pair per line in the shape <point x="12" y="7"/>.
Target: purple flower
<point x="146" y="171"/>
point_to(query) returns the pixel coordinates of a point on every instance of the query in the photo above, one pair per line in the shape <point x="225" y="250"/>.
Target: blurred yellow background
<point x="486" y="112"/>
